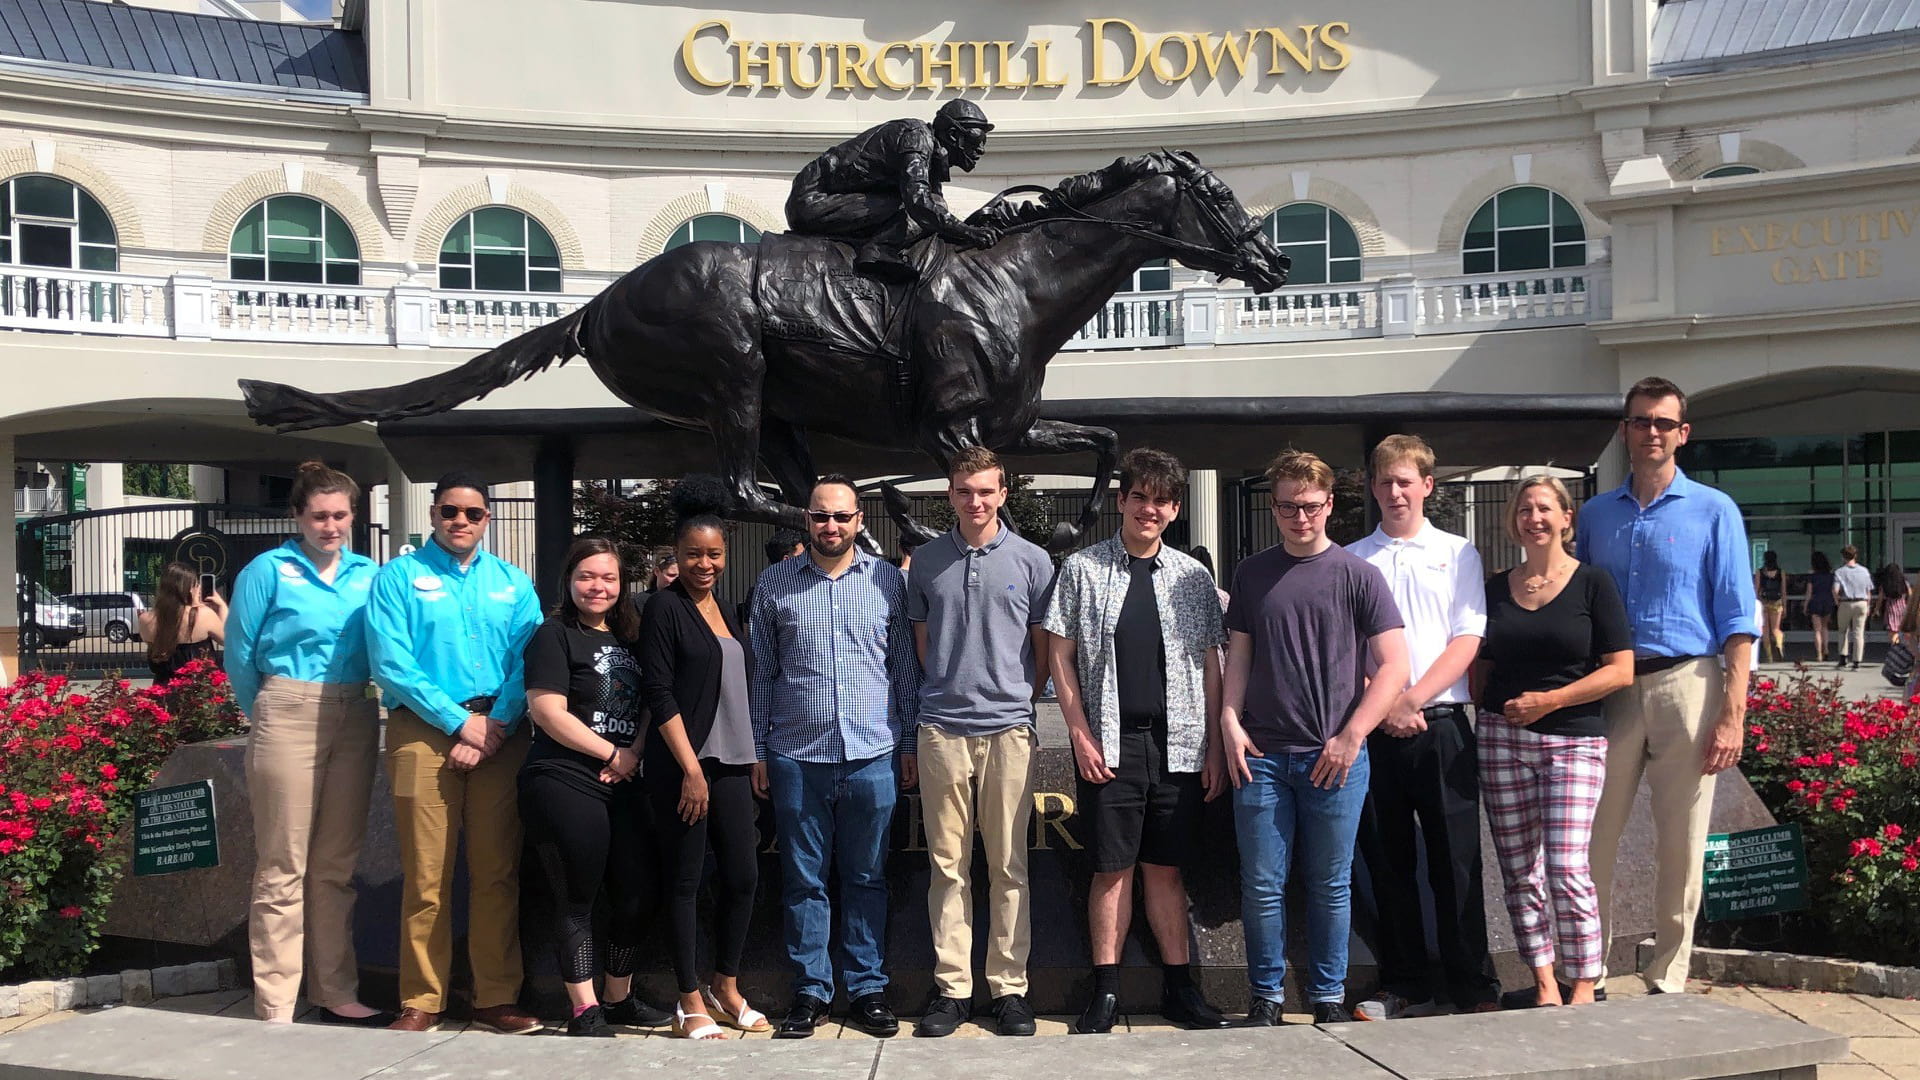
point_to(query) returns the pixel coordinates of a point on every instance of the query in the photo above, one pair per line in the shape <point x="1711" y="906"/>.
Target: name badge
<point x="427" y="583"/>
<point x="289" y="570"/>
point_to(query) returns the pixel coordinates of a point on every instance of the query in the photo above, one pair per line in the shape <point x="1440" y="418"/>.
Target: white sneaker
<point x="1387" y="1005"/>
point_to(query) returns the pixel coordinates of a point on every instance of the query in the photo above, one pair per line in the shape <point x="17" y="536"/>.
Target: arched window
<point x="46" y="221"/>
<point x="1155" y="276"/>
<point x="295" y="239"/>
<point x="1729" y="170"/>
<point x="499" y="249"/>
<point x="1524" y="228"/>
<point x="1320" y="242"/>
<point x="722" y="227"/>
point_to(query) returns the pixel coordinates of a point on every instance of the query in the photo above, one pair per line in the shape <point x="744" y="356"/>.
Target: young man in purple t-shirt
<point x="1307" y="620"/>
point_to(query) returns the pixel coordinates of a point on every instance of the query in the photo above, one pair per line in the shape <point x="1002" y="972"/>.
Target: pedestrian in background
<point x="1853" y="592"/>
<point x="1819" y="603"/>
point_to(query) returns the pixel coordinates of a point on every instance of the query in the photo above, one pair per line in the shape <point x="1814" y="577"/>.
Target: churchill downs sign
<point x="1117" y="53"/>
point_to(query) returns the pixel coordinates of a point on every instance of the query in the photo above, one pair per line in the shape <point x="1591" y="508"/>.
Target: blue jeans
<point x="834" y="813"/>
<point x="1277" y="807"/>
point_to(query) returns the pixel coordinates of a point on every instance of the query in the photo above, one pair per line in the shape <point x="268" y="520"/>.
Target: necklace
<point x="1540" y="581"/>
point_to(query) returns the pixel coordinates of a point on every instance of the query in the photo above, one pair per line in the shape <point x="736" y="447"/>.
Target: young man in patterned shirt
<point x="1131" y="630"/>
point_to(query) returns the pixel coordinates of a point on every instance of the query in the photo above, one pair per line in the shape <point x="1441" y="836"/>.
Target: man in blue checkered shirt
<point x="835" y="698"/>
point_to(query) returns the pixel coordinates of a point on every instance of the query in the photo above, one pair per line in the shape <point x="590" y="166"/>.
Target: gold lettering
<point x="745" y="62"/>
<point x="880" y="65"/>
<point x="1280" y="40"/>
<point x="1747" y="234"/>
<point x="1158" y="57"/>
<point x="1776" y="236"/>
<point x="1898" y="220"/>
<point x="1326" y="38"/>
<point x="793" y="49"/>
<point x="1797" y="226"/>
<point x="1868" y="262"/>
<point x="1229" y="48"/>
<point x="1716" y="240"/>
<point x="1003" y="62"/>
<point x="928" y="63"/>
<point x="1828" y="235"/>
<point x="1099" y="34"/>
<point x="1818" y="265"/>
<point x="1041" y="77"/>
<point x="1784" y="271"/>
<point x="686" y="52"/>
<point x="980" y="63"/>
<point x="1044" y="818"/>
<point x="856" y="67"/>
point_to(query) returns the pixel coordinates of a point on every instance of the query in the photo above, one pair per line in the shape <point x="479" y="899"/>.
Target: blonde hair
<point x="1300" y="467"/>
<point x="1560" y="494"/>
<point x="1395" y="449"/>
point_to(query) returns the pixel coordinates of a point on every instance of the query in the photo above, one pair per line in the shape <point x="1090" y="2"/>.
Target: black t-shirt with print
<point x="1139" y="653"/>
<point x="601" y="679"/>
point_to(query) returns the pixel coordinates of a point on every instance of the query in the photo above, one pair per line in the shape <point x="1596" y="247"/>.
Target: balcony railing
<point x="192" y="307"/>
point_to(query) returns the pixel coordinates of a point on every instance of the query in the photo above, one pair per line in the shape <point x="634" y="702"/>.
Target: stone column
<point x="1610" y="471"/>
<point x="399" y="507"/>
<point x="1203" y="511"/>
<point x="10" y="559"/>
<point x="552" y="513"/>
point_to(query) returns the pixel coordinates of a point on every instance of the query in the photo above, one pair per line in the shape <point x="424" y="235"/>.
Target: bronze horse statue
<point x="760" y="344"/>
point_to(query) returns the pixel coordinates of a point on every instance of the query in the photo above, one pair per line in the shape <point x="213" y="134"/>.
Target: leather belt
<point x="1445" y="711"/>
<point x="1654" y="665"/>
<point x="482" y="704"/>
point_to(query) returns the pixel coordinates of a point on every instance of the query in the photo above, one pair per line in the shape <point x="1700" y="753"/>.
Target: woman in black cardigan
<point x="693" y="665"/>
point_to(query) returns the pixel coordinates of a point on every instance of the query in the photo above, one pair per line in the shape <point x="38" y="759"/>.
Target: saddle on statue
<point x="809" y="292"/>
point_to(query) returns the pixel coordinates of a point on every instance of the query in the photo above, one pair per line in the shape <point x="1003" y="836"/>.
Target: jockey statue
<point x="881" y="189"/>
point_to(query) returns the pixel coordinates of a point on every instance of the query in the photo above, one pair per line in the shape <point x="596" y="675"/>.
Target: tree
<point x="1352" y="499"/>
<point x="637" y="522"/>
<point x="157" y="481"/>
<point x="1031" y="511"/>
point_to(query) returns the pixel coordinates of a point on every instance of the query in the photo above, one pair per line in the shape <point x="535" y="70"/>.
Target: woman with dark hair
<point x="1895" y="593"/>
<point x="183" y="625"/>
<point x="1819" y="603"/>
<point x="1770" y="585"/>
<point x="693" y="665"/>
<point x="582" y="814"/>
<point x="297" y="656"/>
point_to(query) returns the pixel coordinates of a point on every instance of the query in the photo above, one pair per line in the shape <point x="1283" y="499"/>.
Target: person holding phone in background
<point x="186" y="623"/>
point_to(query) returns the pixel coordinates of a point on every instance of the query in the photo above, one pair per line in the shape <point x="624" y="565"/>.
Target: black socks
<point x="1106" y="979"/>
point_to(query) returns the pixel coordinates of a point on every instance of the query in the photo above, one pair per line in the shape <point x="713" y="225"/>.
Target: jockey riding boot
<point x="882" y="261"/>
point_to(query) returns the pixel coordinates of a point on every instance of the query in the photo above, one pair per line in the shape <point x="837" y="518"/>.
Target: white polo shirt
<point x="1437" y="581"/>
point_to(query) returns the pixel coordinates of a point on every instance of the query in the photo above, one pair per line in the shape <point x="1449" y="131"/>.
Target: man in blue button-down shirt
<point x="442" y="625"/>
<point x="1678" y="551"/>
<point x="835" y="696"/>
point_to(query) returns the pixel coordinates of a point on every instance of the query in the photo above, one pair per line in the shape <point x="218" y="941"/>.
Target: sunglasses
<point x="821" y="517"/>
<point x="475" y="514"/>
<point x="1662" y="424"/>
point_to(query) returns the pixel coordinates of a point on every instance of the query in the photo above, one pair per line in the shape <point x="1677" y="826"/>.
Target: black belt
<point x="482" y="704"/>
<point x="1654" y="665"/>
<point x="1444" y="711"/>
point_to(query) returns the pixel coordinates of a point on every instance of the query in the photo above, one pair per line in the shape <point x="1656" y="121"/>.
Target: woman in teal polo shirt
<point x="297" y="657"/>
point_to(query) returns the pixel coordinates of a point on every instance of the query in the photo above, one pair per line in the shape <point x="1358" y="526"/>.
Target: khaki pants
<point x="431" y="805"/>
<point x="1850" y="626"/>
<point x="988" y="780"/>
<point x="1661" y="725"/>
<point x="310" y="761"/>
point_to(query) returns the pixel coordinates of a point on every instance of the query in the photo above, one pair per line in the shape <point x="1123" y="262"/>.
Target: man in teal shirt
<point x="443" y="626"/>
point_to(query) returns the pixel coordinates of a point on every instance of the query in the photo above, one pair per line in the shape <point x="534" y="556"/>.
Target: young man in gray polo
<point x="976" y="597"/>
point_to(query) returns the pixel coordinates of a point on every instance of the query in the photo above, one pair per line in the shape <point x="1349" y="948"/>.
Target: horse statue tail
<point x="290" y="408"/>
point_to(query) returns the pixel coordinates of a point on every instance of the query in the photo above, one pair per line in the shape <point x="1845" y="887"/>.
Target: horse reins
<point x="1178" y="245"/>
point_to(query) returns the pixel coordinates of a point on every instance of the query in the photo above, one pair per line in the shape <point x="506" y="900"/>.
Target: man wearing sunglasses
<point x="442" y="625"/>
<point x="835" y="697"/>
<point x="1678" y="551"/>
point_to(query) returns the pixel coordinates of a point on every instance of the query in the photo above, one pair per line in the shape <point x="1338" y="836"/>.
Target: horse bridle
<point x="1211" y="217"/>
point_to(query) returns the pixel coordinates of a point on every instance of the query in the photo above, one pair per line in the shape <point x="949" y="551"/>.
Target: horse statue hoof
<point x="1064" y="536"/>
<point x="900" y="509"/>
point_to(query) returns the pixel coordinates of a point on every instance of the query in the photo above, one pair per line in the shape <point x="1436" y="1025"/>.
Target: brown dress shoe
<point x="507" y="1020"/>
<point x="412" y="1019"/>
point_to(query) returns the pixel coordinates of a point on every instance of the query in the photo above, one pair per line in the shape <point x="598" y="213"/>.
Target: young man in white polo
<point x="1131" y="633"/>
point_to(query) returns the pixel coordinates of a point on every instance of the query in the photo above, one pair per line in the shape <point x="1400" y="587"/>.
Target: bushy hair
<point x="1300" y="467"/>
<point x="698" y="502"/>
<point x="1155" y="472"/>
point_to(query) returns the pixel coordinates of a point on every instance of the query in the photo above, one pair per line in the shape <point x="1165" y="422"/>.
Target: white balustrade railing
<point x="195" y="307"/>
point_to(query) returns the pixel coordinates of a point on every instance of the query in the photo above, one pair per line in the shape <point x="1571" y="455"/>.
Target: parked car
<point x="112" y="615"/>
<point x="45" y="622"/>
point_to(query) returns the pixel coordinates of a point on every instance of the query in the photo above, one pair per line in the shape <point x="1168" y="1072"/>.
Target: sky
<point x="313" y="9"/>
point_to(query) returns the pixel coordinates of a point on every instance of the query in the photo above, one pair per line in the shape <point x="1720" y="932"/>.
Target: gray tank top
<point x="730" y="741"/>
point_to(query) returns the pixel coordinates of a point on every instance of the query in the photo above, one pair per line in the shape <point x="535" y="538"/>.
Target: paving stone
<point x="157" y="1043"/>
<point x="1271" y="1053"/>
<point x="1887" y="1053"/>
<point x="732" y="1059"/>
<point x="45" y="996"/>
<point x="200" y="1004"/>
<point x="203" y="978"/>
<point x="1656" y="1038"/>
<point x="103" y="989"/>
<point x="170" y="981"/>
<point x="1851" y="1070"/>
<point x="1745" y="997"/>
<point x="136" y="986"/>
<point x="1907" y="1012"/>
<point x="1842" y="1014"/>
<point x="9" y="1002"/>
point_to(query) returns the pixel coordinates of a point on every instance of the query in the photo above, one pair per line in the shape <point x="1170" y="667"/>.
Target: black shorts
<point x="1145" y="814"/>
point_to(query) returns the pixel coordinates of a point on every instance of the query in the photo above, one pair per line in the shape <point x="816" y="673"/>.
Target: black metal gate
<point x="83" y="578"/>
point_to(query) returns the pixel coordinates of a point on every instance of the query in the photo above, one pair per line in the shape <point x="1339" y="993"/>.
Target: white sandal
<point x="684" y="1026"/>
<point x="749" y="1018"/>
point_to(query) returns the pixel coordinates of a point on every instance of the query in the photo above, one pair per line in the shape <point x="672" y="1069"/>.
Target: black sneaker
<point x="943" y="1015"/>
<point x="1264" y="1013"/>
<point x="1012" y="1015"/>
<point x="630" y="1011"/>
<point x="592" y="1023"/>
<point x="1331" y="1012"/>
<point x="1189" y="1009"/>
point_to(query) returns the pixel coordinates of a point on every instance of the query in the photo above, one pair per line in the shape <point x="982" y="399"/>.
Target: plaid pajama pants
<point x="1540" y="792"/>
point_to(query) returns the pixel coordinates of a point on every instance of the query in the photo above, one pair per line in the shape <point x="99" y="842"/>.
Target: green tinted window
<point x="721" y="227"/>
<point x="499" y="249"/>
<point x="1728" y="170"/>
<point x="46" y="221"/>
<point x="1321" y="243"/>
<point x="499" y="227"/>
<point x="1524" y="228"/>
<point x="303" y="241"/>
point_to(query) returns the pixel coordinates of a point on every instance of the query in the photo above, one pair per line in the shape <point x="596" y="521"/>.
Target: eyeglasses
<point x="821" y="517"/>
<point x="1307" y="510"/>
<point x="1661" y="424"/>
<point x="475" y="514"/>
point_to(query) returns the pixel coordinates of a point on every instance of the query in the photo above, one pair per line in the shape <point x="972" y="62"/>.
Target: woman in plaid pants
<point x="1557" y="644"/>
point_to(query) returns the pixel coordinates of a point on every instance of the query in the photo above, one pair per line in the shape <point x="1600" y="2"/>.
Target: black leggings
<point x="580" y="842"/>
<point x="730" y="829"/>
